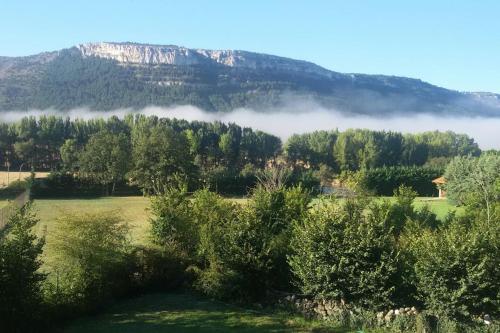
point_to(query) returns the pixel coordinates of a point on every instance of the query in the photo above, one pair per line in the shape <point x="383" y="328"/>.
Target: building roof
<point x="440" y="180"/>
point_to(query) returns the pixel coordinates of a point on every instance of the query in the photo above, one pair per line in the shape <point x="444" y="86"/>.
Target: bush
<point x="14" y="189"/>
<point x="91" y="260"/>
<point x="159" y="269"/>
<point x="172" y="223"/>
<point x="229" y="248"/>
<point x="343" y="250"/>
<point x="211" y="214"/>
<point x="20" y="280"/>
<point x="457" y="268"/>
<point x="401" y="211"/>
<point x="249" y="247"/>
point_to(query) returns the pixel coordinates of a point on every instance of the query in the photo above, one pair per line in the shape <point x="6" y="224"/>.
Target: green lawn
<point x="440" y="207"/>
<point x="184" y="313"/>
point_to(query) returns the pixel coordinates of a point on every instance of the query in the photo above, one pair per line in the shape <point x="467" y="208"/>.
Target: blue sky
<point x="455" y="44"/>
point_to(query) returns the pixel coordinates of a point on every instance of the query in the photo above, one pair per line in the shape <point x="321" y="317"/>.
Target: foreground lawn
<point x="184" y="313"/>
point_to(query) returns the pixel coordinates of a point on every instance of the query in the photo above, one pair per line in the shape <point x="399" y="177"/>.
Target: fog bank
<point x="286" y="121"/>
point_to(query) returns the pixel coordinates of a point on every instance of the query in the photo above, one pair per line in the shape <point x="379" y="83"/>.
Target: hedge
<point x="384" y="180"/>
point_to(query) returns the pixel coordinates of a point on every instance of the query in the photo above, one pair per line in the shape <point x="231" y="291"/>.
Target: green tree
<point x="70" y="155"/>
<point x="159" y="157"/>
<point x="106" y="159"/>
<point x="414" y="152"/>
<point x="472" y="180"/>
<point x="26" y="151"/>
<point x="20" y="279"/>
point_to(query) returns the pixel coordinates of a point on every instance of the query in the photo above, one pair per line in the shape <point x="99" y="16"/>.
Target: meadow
<point x="133" y="209"/>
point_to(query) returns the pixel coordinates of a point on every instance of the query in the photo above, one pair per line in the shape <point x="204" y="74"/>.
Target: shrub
<point x="233" y="246"/>
<point x="249" y="248"/>
<point x="172" y="221"/>
<point x="343" y="250"/>
<point x="196" y="229"/>
<point x="159" y="268"/>
<point x="239" y="270"/>
<point x="401" y="211"/>
<point x="14" y="189"/>
<point x="90" y="259"/>
<point x="210" y="214"/>
<point x="20" y="280"/>
<point x="457" y="268"/>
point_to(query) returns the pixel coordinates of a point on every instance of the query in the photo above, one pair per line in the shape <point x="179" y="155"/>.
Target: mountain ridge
<point x="106" y="75"/>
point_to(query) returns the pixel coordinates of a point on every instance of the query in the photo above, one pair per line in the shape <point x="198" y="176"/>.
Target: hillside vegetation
<point x="100" y="80"/>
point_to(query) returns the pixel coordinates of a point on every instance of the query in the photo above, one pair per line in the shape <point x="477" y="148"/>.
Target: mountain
<point x="105" y="76"/>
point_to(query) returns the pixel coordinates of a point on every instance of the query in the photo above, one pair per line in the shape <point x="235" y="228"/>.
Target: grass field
<point x="440" y="207"/>
<point x="185" y="313"/>
<point x="133" y="209"/>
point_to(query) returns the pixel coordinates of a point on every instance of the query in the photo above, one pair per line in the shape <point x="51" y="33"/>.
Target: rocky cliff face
<point x="145" y="54"/>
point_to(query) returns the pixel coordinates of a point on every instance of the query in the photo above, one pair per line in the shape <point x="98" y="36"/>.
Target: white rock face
<point x="145" y="54"/>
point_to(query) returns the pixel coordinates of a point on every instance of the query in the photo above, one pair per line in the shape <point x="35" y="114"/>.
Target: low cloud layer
<point x="301" y="119"/>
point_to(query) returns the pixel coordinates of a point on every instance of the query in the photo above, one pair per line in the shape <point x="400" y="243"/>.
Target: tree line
<point x="149" y="152"/>
<point x="356" y="149"/>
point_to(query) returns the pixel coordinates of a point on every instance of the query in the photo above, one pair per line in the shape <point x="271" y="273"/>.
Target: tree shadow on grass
<point x="183" y="313"/>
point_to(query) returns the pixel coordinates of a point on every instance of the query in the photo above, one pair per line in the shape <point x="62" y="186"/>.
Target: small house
<point x="440" y="186"/>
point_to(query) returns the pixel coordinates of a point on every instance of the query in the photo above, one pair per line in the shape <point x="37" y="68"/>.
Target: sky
<point x="454" y="44"/>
